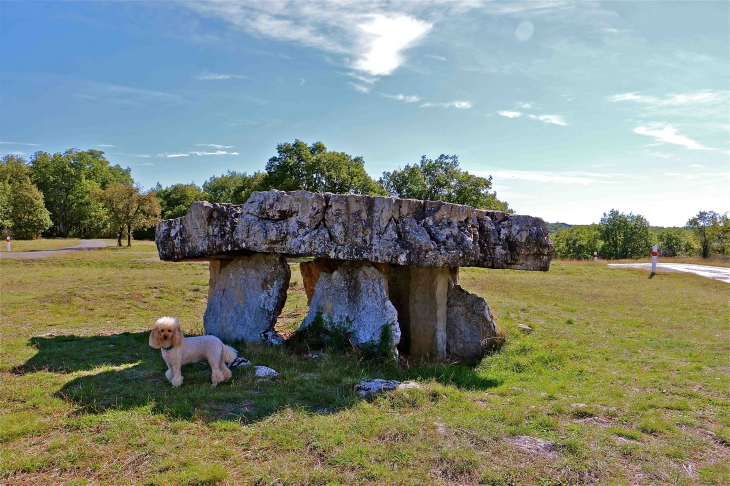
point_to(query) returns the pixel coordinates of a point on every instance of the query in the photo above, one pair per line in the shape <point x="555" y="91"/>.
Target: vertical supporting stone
<point x="399" y="293"/>
<point x="428" y="301"/>
<point x="245" y="296"/>
<point x="354" y="298"/>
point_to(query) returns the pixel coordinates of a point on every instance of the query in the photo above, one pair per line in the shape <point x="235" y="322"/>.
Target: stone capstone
<point x="356" y="227"/>
<point x="354" y="298"/>
<point x="245" y="297"/>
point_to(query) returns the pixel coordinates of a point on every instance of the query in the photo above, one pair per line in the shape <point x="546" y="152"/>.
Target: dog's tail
<point x="229" y="354"/>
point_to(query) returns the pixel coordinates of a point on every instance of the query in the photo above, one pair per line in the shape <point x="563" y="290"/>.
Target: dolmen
<point x="382" y="270"/>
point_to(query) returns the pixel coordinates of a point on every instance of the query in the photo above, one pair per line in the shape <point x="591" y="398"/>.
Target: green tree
<point x="175" y="200"/>
<point x="129" y="208"/>
<point x="233" y="187"/>
<point x="577" y="242"/>
<point x="67" y="181"/>
<point x="314" y="168"/>
<point x="625" y="235"/>
<point x="5" y="207"/>
<point x="21" y="203"/>
<point x="723" y="234"/>
<point x="673" y="242"/>
<point x="706" y="227"/>
<point x="28" y="215"/>
<point x="441" y="180"/>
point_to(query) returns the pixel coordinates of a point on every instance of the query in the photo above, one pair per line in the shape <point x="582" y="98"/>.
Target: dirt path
<point x="83" y="245"/>
<point x="716" y="273"/>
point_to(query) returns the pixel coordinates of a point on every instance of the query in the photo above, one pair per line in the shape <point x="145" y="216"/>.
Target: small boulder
<point x="265" y="372"/>
<point x="373" y="387"/>
<point x="531" y="445"/>
<point x="524" y="329"/>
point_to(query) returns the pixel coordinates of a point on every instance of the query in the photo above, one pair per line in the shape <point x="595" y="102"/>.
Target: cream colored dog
<point x="178" y="350"/>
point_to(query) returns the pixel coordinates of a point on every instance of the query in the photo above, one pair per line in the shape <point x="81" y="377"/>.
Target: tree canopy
<point x="314" y="168"/>
<point x="441" y="180"/>
<point x="624" y="235"/>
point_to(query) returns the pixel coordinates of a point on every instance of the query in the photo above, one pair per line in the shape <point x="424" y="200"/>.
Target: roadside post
<point x="595" y="256"/>
<point x="7" y="243"/>
<point x="654" y="255"/>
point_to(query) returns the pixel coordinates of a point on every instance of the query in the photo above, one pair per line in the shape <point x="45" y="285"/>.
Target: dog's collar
<point x="168" y="348"/>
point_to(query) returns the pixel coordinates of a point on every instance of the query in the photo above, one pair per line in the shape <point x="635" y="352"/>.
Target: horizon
<point x="574" y="109"/>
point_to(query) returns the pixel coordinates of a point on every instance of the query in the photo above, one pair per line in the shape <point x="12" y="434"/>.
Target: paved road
<point x="83" y="245"/>
<point x="717" y="273"/>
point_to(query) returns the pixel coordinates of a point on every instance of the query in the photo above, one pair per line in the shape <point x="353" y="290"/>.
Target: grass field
<point x="626" y="376"/>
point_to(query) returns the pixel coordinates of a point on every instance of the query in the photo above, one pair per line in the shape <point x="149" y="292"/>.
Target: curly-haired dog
<point x="178" y="350"/>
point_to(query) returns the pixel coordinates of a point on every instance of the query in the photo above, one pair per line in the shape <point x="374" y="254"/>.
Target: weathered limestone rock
<point x="355" y="296"/>
<point x="470" y="328"/>
<point x="354" y="227"/>
<point x="245" y="296"/>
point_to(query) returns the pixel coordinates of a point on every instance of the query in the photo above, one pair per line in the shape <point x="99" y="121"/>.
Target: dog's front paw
<point x="177" y="381"/>
<point x="168" y="375"/>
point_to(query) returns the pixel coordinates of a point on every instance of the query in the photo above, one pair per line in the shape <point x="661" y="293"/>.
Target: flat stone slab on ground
<point x="373" y="387"/>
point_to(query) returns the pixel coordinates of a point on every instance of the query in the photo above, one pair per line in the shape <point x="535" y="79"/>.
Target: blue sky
<point x="573" y="108"/>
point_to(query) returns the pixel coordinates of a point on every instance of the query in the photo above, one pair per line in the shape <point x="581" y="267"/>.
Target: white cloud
<point x="462" y="105"/>
<point x="545" y="177"/>
<point x="371" y="36"/>
<point x="20" y="143"/>
<point x="675" y="99"/>
<point x="360" y="88"/>
<point x="217" y="152"/>
<point x="220" y="77"/>
<point x="400" y="97"/>
<point x="436" y="57"/>
<point x="526" y="106"/>
<point x="104" y="145"/>
<point x="385" y="38"/>
<point x="510" y="114"/>
<point x="668" y="134"/>
<point x="172" y="155"/>
<point x="168" y="155"/>
<point x="550" y="119"/>
<point x="214" y="145"/>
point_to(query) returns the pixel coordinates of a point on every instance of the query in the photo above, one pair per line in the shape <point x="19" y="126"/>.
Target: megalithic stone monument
<point x="381" y="267"/>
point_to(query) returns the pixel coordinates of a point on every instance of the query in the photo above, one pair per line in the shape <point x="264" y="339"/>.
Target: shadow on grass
<point x="122" y="372"/>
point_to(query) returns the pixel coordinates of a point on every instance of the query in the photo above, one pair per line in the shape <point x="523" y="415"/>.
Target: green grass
<point x="39" y="244"/>
<point x="627" y="377"/>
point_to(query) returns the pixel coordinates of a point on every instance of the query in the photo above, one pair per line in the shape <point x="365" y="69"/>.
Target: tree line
<point x="624" y="236"/>
<point x="81" y="194"/>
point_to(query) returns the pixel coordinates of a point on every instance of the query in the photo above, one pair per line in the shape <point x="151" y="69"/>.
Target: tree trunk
<point x="129" y="235"/>
<point x="119" y="235"/>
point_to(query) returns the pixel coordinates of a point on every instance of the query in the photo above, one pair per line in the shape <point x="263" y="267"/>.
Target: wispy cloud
<point x="440" y="58"/>
<point x="675" y="99"/>
<point x="371" y="37"/>
<point x="462" y="105"/>
<point x="360" y="87"/>
<point x="143" y="156"/>
<point x="220" y="77"/>
<point x="104" y="145"/>
<point x="172" y="155"/>
<point x="400" y="97"/>
<point x="549" y="119"/>
<point x="20" y="143"/>
<point x="663" y="132"/>
<point x="510" y="114"/>
<point x="526" y="106"/>
<point x="214" y="145"/>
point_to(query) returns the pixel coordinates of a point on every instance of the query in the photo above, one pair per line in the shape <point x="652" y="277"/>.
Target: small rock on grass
<point x="372" y="387"/>
<point x="532" y="445"/>
<point x="524" y="329"/>
<point x="265" y="372"/>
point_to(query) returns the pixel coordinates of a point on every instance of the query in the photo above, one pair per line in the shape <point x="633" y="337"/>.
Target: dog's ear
<point x="177" y="336"/>
<point x="155" y="338"/>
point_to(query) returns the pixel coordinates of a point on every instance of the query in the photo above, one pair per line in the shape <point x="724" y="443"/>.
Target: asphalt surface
<point x="83" y="245"/>
<point x="716" y="273"/>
